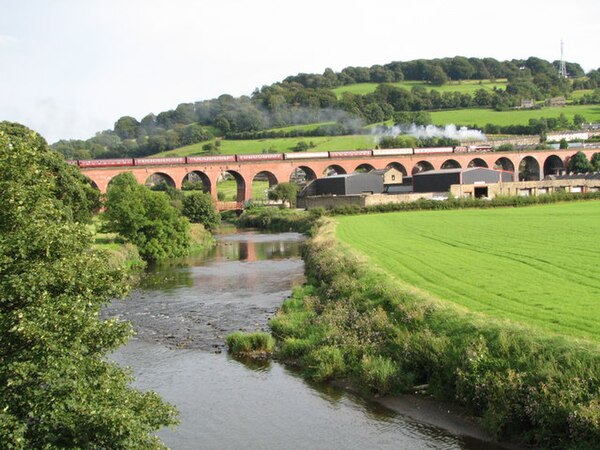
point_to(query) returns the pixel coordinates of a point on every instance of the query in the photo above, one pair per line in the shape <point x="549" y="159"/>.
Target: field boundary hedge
<point x="461" y="203"/>
<point x="354" y="322"/>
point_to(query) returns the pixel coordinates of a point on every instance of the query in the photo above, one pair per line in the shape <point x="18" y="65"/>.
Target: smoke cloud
<point x="420" y="131"/>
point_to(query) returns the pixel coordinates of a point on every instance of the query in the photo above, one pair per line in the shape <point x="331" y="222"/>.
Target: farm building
<point x="349" y="184"/>
<point x="392" y="179"/>
<point x="441" y="180"/>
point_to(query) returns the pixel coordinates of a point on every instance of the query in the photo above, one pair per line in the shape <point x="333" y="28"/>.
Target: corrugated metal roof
<point x="444" y="171"/>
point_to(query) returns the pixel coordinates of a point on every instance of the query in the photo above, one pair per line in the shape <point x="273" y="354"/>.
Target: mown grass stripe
<point x="536" y="265"/>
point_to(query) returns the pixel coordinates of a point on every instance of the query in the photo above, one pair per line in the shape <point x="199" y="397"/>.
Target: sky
<point x="70" y="68"/>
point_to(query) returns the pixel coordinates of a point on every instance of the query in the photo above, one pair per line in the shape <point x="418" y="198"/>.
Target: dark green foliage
<point x="596" y="161"/>
<point x="505" y="148"/>
<point x="563" y="144"/>
<point x="127" y="127"/>
<point x="176" y="196"/>
<point x="57" y="390"/>
<point x="276" y="219"/>
<point x="285" y="192"/>
<point x="73" y="190"/>
<point x="407" y="118"/>
<point x="199" y="207"/>
<point x="579" y="163"/>
<point x="301" y="146"/>
<point x="398" y="142"/>
<point x="145" y="218"/>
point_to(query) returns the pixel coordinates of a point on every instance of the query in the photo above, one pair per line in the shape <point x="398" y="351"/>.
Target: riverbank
<point x="353" y="322"/>
<point x="126" y="255"/>
<point x="181" y="312"/>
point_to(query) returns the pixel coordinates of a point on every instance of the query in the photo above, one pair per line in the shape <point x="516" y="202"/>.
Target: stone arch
<point x="451" y="164"/>
<point x="157" y="178"/>
<point x="261" y="183"/>
<point x="422" y="166"/>
<point x="364" y="168"/>
<point x="477" y="162"/>
<point x="109" y="183"/>
<point x="194" y="178"/>
<point x="302" y="175"/>
<point x="399" y="167"/>
<point x="529" y="169"/>
<point x="92" y="183"/>
<point x="334" y="169"/>
<point x="553" y="165"/>
<point x="505" y="164"/>
<point x="239" y="192"/>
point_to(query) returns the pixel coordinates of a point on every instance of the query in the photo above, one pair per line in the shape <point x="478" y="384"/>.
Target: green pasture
<point x="307" y="127"/>
<point x="580" y="93"/>
<point x="464" y="87"/>
<point x="281" y="145"/>
<point x="481" y="117"/>
<point x="535" y="265"/>
<point x="229" y="188"/>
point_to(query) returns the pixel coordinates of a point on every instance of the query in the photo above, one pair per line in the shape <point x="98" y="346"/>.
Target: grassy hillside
<point x="467" y="87"/>
<point x="524" y="264"/>
<point x="481" y="117"/>
<point x="282" y="145"/>
<point x="473" y="116"/>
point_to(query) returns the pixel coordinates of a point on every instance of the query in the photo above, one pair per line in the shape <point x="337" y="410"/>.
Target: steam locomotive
<point x="211" y="159"/>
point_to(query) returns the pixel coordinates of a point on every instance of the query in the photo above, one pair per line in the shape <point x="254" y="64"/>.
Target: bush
<point x="250" y="344"/>
<point x="505" y="148"/>
<point x="380" y="373"/>
<point x="146" y="219"/>
<point x="325" y="363"/>
<point x="200" y="208"/>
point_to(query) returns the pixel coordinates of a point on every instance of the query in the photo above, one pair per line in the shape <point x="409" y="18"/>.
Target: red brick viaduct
<point x="538" y="164"/>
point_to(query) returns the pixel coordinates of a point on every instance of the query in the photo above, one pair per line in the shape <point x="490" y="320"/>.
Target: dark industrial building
<point x="441" y="180"/>
<point x="349" y="184"/>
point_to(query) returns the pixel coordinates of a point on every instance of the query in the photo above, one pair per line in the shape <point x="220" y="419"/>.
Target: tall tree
<point x="145" y="218"/>
<point x="72" y="189"/>
<point x="285" y="192"/>
<point x="579" y="163"/>
<point x="57" y="390"/>
<point x="127" y="127"/>
<point x="199" y="207"/>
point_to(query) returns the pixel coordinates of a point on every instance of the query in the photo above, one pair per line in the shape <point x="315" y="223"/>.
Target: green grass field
<point x="481" y="117"/>
<point x="535" y="265"/>
<point x="467" y="87"/>
<point x="282" y="145"/>
<point x="229" y="188"/>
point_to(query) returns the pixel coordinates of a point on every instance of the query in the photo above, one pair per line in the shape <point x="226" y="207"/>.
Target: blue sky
<point x="69" y="68"/>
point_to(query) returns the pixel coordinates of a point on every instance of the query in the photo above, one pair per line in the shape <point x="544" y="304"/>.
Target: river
<point x="183" y="310"/>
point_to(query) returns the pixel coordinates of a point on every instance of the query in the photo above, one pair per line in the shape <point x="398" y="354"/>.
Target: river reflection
<point x="182" y="312"/>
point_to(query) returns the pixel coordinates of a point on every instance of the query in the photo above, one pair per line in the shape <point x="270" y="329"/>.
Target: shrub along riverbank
<point x="352" y="321"/>
<point x="125" y="254"/>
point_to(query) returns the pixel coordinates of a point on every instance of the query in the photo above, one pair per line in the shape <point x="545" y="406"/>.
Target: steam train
<point x="211" y="159"/>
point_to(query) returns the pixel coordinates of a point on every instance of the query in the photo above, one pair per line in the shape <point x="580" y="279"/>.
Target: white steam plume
<point x="429" y="131"/>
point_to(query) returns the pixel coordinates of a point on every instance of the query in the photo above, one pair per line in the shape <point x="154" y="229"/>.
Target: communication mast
<point x="562" y="70"/>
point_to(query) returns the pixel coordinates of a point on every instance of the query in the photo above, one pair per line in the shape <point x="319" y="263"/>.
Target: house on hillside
<point x="527" y="103"/>
<point x="556" y="101"/>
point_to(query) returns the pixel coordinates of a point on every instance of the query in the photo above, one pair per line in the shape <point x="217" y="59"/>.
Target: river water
<point x="183" y="310"/>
